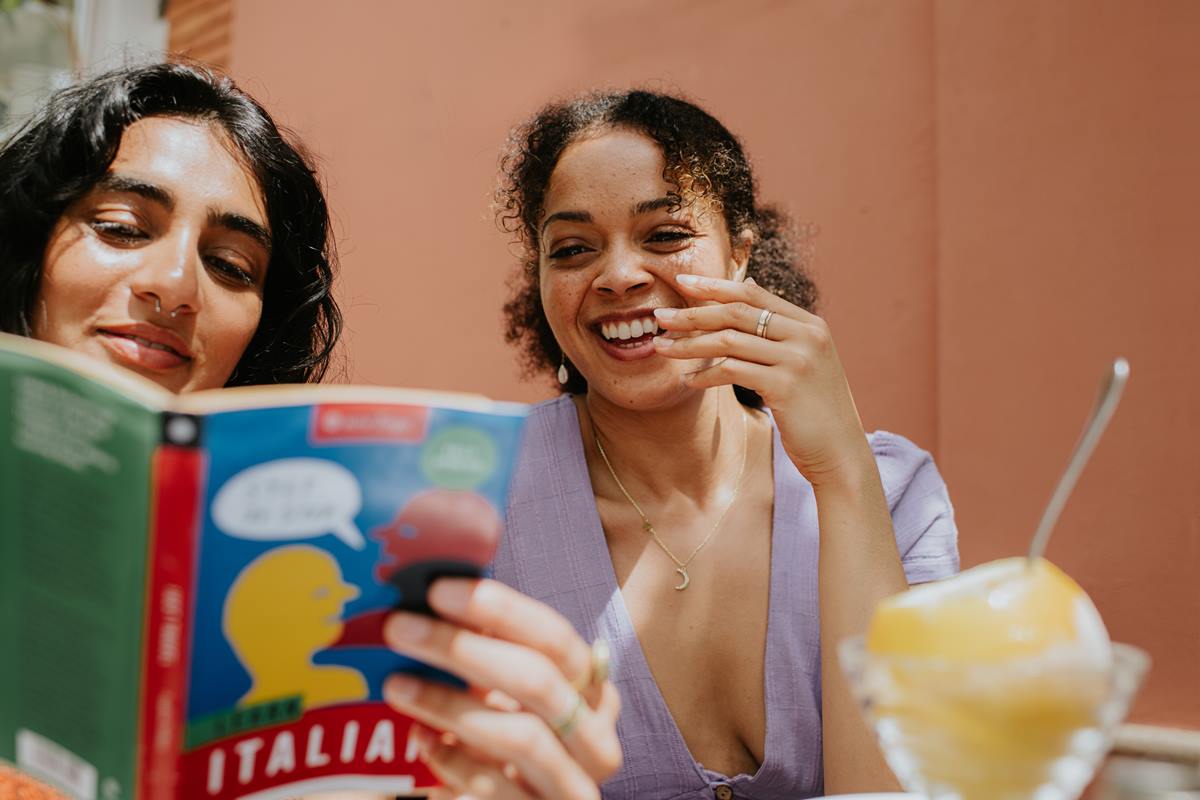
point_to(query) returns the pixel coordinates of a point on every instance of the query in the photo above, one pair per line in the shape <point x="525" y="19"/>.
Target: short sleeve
<point x="922" y="516"/>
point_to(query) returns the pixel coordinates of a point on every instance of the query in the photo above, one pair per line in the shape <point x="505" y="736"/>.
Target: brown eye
<point x="670" y="237"/>
<point x="118" y="231"/>
<point x="568" y="251"/>
<point x="229" y="272"/>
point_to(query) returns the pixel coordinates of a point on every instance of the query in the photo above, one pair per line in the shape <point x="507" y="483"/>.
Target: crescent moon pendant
<point x="686" y="580"/>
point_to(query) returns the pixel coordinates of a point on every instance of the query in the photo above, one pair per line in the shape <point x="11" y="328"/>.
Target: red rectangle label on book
<point x="351" y="743"/>
<point x="334" y="423"/>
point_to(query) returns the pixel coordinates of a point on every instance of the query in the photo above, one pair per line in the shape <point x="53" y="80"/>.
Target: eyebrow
<point x="644" y="207"/>
<point x="115" y="182"/>
<point x="567" y="216"/>
<point x="241" y="224"/>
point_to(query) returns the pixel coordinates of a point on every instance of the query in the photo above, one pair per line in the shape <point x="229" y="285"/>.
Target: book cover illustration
<point x="336" y="515"/>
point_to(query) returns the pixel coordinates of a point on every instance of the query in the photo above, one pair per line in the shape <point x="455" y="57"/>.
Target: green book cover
<point x="192" y="588"/>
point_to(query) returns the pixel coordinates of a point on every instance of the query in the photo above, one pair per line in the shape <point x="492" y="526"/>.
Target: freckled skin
<point x="623" y="260"/>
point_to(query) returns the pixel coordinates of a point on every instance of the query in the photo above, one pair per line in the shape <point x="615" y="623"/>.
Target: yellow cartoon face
<point x="284" y="607"/>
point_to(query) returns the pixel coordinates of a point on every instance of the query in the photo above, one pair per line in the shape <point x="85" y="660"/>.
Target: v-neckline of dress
<point x="624" y="621"/>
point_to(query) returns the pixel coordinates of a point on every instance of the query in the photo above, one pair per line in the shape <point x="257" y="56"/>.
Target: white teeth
<point x="629" y="330"/>
<point x="148" y="343"/>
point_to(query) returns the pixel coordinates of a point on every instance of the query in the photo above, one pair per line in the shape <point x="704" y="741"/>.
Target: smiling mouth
<point x="628" y="333"/>
<point x="146" y="343"/>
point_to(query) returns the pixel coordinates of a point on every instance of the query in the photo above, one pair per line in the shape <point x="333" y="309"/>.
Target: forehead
<point x="195" y="161"/>
<point x="613" y="167"/>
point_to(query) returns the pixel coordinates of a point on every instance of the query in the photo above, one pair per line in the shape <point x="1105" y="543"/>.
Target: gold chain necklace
<point x="682" y="566"/>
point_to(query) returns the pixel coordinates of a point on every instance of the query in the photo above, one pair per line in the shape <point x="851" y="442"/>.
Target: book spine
<point x="178" y="474"/>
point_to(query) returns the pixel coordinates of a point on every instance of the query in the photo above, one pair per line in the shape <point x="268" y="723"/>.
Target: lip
<point x="118" y="340"/>
<point x="625" y="316"/>
<point x="624" y="351"/>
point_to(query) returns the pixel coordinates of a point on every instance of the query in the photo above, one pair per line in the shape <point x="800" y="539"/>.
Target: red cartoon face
<point x="439" y="525"/>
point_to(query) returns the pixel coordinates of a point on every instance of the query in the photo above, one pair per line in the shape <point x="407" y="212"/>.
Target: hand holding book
<point x="521" y="725"/>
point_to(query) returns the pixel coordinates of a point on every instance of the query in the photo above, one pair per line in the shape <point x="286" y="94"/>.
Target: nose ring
<point x="157" y="306"/>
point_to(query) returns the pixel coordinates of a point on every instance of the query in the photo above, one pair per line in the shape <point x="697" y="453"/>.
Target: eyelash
<point x="671" y="236"/>
<point x="128" y="233"/>
<point x="118" y="230"/>
<point x="569" y="251"/>
<point x="232" y="271"/>
<point x="658" y="237"/>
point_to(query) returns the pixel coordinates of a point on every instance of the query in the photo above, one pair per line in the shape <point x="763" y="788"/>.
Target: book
<point x="193" y="587"/>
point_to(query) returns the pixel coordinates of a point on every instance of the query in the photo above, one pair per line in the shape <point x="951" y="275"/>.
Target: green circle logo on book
<point x="459" y="458"/>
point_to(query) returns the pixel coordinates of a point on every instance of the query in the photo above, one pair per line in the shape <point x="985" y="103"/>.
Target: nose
<point x="621" y="272"/>
<point x="168" y="278"/>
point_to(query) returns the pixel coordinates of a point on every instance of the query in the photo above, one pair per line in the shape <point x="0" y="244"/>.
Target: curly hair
<point x="64" y="150"/>
<point x="704" y="161"/>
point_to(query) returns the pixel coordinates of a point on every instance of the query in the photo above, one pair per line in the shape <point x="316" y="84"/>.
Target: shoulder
<point x="551" y="414"/>
<point x="919" y="502"/>
<point x="900" y="462"/>
<point x="548" y="423"/>
<point x="549" y="442"/>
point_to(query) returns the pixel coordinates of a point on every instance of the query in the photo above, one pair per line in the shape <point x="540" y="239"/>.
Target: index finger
<point x="702" y="287"/>
<point x="503" y="612"/>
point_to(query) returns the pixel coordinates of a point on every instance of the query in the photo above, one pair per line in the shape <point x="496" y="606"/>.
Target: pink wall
<point x="1068" y="232"/>
<point x="1006" y="197"/>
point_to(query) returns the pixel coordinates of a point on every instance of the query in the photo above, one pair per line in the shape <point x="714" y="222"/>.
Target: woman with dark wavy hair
<point x="157" y="217"/>
<point x="674" y="499"/>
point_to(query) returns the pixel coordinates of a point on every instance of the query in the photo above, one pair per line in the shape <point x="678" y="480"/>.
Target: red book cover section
<point x="177" y="473"/>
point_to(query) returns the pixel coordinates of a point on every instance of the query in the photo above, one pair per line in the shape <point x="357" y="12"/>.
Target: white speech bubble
<point x="292" y="498"/>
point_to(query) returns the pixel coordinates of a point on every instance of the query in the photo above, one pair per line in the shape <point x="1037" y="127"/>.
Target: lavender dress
<point x="554" y="550"/>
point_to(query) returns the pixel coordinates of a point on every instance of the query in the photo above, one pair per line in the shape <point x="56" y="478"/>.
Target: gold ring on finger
<point x="564" y="723"/>
<point x="598" y="668"/>
<point x="764" y="319"/>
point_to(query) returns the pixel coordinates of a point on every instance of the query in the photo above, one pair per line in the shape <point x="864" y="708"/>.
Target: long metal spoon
<point x="1111" y="387"/>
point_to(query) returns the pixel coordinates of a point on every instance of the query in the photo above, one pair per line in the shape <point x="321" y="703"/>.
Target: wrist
<point x="852" y="473"/>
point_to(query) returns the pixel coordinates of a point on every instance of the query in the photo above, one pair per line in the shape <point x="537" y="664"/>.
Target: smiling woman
<point x="157" y="218"/>
<point x="703" y="497"/>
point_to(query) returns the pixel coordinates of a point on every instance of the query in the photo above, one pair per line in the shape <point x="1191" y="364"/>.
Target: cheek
<point x="684" y="261"/>
<point x="230" y="326"/>
<point x="78" y="279"/>
<point x="562" y="295"/>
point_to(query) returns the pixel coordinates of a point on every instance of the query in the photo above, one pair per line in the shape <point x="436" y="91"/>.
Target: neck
<point x="692" y="448"/>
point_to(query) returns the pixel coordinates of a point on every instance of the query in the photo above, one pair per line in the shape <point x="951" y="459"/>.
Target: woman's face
<point x="160" y="267"/>
<point x="611" y="246"/>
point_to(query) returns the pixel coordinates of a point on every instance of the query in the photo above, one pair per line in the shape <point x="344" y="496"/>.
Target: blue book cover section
<point x="317" y="522"/>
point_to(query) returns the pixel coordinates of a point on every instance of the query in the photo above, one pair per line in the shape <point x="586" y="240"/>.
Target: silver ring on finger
<point x="764" y="319"/>
<point x="564" y="723"/>
<point x="598" y="668"/>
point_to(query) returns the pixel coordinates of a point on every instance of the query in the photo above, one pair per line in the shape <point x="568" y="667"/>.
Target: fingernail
<point x="407" y="628"/>
<point x="751" y="281"/>
<point x="662" y="342"/>
<point x="664" y="313"/>
<point x="451" y="595"/>
<point x="401" y="689"/>
<point x="688" y="280"/>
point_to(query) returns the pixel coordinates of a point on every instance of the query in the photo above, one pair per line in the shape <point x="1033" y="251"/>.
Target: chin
<point x="646" y="395"/>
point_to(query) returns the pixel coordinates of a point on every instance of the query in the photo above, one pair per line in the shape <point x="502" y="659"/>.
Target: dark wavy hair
<point x="61" y="153"/>
<point x="704" y="161"/>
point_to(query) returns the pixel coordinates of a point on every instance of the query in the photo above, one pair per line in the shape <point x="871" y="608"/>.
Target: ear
<point x="742" y="246"/>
